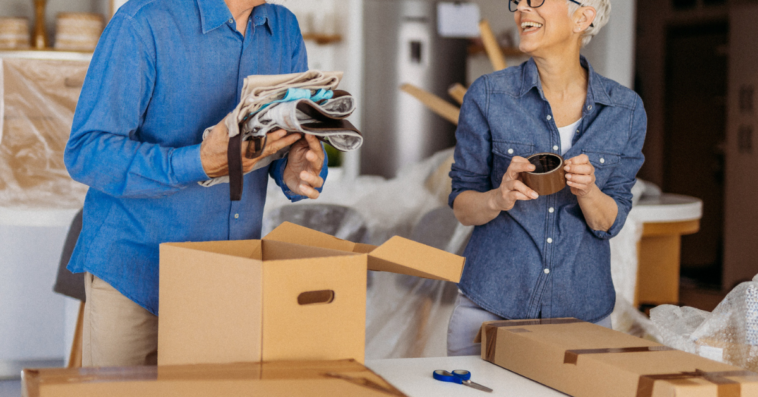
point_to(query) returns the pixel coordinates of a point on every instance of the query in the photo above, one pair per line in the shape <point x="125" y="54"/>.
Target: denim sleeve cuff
<point x="187" y="166"/>
<point x="618" y="224"/>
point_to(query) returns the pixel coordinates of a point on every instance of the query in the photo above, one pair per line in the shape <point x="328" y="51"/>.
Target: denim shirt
<point x="541" y="259"/>
<point x="163" y="71"/>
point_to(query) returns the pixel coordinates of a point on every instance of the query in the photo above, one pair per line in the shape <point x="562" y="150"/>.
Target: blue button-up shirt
<point x="541" y="258"/>
<point x="163" y="71"/>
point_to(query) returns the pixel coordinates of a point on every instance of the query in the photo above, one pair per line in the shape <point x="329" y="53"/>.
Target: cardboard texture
<point x="274" y="300"/>
<point x="587" y="360"/>
<point x="328" y="378"/>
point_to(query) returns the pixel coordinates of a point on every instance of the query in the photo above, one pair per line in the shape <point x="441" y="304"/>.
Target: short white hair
<point x="603" y="14"/>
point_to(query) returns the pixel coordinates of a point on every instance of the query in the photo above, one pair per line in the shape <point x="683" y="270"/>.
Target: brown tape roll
<point x="549" y="177"/>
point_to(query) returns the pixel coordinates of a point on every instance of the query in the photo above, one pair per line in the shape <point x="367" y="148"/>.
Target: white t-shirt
<point x="567" y="136"/>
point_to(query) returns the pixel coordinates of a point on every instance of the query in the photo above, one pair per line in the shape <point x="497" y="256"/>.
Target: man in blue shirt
<point x="165" y="70"/>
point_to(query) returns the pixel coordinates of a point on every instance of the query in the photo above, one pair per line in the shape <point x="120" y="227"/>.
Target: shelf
<point x="476" y="49"/>
<point x="322" y="39"/>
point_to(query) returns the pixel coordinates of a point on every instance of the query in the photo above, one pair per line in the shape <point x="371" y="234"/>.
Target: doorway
<point x="695" y="135"/>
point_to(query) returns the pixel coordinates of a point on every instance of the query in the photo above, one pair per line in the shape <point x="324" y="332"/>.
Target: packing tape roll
<point x="726" y="387"/>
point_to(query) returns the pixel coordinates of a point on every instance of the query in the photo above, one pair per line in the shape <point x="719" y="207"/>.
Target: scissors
<point x="459" y="376"/>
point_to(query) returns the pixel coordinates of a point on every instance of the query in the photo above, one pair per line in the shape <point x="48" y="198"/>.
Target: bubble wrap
<point x="729" y="334"/>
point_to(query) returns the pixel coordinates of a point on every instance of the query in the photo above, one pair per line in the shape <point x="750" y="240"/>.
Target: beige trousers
<point x="117" y="332"/>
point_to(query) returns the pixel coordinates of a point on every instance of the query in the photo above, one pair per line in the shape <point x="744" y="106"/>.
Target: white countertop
<point x="413" y="376"/>
<point x="668" y="208"/>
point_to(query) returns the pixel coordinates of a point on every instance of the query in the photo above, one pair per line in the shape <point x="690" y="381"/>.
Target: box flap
<point x="327" y="378"/>
<point x="291" y="233"/>
<point x="403" y="256"/>
<point x="398" y="255"/>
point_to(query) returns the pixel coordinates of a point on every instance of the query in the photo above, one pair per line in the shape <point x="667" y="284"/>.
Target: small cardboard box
<point x="283" y="379"/>
<point x="295" y="295"/>
<point x="587" y="360"/>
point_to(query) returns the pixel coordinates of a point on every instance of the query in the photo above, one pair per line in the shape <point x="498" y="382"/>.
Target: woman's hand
<point x="513" y="189"/>
<point x="580" y="174"/>
<point x="213" y="151"/>
<point x="305" y="161"/>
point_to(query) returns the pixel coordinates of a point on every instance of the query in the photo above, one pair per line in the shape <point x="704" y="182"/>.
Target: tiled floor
<point x="10" y="388"/>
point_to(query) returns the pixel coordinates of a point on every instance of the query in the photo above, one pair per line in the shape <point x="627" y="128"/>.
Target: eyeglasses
<point x="513" y="5"/>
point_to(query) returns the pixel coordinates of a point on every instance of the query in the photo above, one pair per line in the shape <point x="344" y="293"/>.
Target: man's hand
<point x="513" y="189"/>
<point x="306" y="159"/>
<point x="580" y="175"/>
<point x="213" y="151"/>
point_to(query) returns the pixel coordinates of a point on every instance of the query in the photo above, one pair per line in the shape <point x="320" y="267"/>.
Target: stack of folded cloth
<point x="305" y="103"/>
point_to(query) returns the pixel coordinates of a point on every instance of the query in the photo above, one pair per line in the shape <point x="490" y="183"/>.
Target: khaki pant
<point x="117" y="332"/>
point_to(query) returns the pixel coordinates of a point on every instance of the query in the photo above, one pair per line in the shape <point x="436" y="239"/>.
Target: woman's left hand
<point x="580" y="174"/>
<point x="304" y="164"/>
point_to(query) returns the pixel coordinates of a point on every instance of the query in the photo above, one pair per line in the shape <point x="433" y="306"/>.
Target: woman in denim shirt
<point x="531" y="256"/>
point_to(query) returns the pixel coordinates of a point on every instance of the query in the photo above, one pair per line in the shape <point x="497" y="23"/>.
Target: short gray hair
<point x="603" y="14"/>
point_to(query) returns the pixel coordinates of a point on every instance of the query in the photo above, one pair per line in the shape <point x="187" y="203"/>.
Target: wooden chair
<point x="72" y="285"/>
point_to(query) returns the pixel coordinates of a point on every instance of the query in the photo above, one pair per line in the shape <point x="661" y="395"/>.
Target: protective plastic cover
<point x="729" y="334"/>
<point x="37" y="103"/>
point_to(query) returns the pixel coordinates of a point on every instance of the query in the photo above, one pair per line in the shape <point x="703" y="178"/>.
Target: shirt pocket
<point x="504" y="152"/>
<point x="605" y="163"/>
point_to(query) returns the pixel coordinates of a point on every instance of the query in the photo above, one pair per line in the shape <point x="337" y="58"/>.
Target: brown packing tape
<point x="726" y="387"/>
<point x="490" y="330"/>
<point x="572" y="356"/>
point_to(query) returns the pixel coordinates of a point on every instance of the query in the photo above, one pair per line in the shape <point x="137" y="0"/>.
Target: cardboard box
<point x="295" y="295"/>
<point x="290" y="379"/>
<point x="587" y="360"/>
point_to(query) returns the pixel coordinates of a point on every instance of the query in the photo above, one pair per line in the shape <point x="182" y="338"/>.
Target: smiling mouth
<point x="528" y="27"/>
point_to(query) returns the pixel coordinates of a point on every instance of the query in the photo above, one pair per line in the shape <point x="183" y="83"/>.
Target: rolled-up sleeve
<point x="103" y="150"/>
<point x="620" y="183"/>
<point x="473" y="150"/>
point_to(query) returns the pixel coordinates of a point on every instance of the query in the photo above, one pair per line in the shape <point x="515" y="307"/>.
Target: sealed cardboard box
<point x="297" y="294"/>
<point x="587" y="360"/>
<point x="291" y="379"/>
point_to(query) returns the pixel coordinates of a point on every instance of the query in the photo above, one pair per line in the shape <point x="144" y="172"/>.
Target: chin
<point x="528" y="47"/>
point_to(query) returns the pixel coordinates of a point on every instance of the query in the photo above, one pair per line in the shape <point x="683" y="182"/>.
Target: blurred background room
<point x="691" y="238"/>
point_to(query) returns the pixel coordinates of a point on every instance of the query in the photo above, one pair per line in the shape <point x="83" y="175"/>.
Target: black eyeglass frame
<point x="511" y="3"/>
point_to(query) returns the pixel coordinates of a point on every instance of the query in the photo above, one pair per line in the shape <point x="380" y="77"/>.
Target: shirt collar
<point x="596" y="92"/>
<point x="214" y="13"/>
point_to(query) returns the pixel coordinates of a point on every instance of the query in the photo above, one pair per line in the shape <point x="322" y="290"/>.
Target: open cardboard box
<point x="587" y="360"/>
<point x="297" y="294"/>
<point x="283" y="379"/>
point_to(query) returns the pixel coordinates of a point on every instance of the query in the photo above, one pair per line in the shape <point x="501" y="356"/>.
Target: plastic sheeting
<point x="408" y="316"/>
<point x="729" y="334"/>
<point x="37" y="103"/>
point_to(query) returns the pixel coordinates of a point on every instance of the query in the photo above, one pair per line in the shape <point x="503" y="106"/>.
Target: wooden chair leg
<point x="75" y="358"/>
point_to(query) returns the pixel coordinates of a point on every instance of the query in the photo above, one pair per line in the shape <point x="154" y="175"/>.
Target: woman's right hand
<point x="513" y="189"/>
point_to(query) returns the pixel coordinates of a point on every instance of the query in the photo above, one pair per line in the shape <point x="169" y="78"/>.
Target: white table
<point x="413" y="376"/>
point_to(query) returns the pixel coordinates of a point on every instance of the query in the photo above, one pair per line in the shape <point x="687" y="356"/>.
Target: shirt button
<point x="547" y="271"/>
<point x="510" y="151"/>
<point x="236" y="216"/>
<point x="589" y="107"/>
<point x="551" y="210"/>
<point x="549" y="241"/>
<point x="549" y="117"/>
<point x="602" y="161"/>
<point x="555" y="147"/>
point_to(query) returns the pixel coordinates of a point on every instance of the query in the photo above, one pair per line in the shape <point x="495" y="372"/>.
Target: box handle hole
<point x="315" y="297"/>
